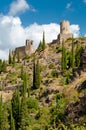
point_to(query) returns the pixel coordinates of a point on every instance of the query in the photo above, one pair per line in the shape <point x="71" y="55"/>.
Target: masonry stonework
<point x="64" y="31"/>
<point x="25" y="50"/>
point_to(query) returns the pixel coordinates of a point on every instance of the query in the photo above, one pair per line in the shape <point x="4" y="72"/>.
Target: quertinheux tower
<point x="64" y="31"/>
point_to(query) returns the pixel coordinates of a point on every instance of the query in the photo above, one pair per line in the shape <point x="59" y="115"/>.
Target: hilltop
<point x="60" y="100"/>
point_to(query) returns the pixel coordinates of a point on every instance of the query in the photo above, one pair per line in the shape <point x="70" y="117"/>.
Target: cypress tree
<point x="24" y="122"/>
<point x="1" y="115"/>
<point x="18" y="56"/>
<point x="72" y="56"/>
<point x="78" y="55"/>
<point x="12" y="123"/>
<point x="4" y="66"/>
<point x="63" y="60"/>
<point x="16" y="108"/>
<point x="0" y="65"/>
<point x="13" y="60"/>
<point x="10" y="58"/>
<point x="43" y="42"/>
<point x="37" y="73"/>
<point x="34" y="74"/>
<point x="25" y="83"/>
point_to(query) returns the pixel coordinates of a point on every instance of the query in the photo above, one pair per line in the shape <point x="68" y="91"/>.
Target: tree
<point x="0" y="65"/>
<point x="1" y="115"/>
<point x="10" y="58"/>
<point x="4" y="66"/>
<point x="12" y="123"/>
<point x="78" y="55"/>
<point x="13" y="60"/>
<point x="72" y="55"/>
<point x="43" y="42"/>
<point x="39" y="47"/>
<point x="64" y="58"/>
<point x="18" y="56"/>
<point x="36" y="75"/>
<point x="16" y="108"/>
<point x="24" y="122"/>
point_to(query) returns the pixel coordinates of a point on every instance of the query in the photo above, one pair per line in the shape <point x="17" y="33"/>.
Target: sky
<point x="27" y="19"/>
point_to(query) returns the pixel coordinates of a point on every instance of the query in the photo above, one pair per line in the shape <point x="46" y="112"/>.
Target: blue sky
<point x="21" y="19"/>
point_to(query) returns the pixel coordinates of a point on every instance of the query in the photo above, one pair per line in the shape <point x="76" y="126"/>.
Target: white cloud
<point x="75" y="29"/>
<point x="13" y="34"/>
<point x="18" y="6"/>
<point x="68" y="5"/>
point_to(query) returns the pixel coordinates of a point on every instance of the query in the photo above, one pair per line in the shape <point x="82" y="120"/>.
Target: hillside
<point x="60" y="101"/>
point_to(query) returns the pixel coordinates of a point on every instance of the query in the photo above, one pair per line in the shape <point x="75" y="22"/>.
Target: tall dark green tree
<point x="64" y="57"/>
<point x="12" y="122"/>
<point x="4" y="66"/>
<point x="36" y="75"/>
<point x="10" y="58"/>
<point x="78" y="55"/>
<point x="72" y="55"/>
<point x="24" y="121"/>
<point x="18" y="56"/>
<point x="13" y="60"/>
<point x="0" y="65"/>
<point x="1" y="114"/>
<point x="43" y="42"/>
<point x="16" y="108"/>
<point x="25" y="83"/>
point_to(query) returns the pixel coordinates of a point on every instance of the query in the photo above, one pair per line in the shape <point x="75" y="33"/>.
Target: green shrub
<point x="58" y="49"/>
<point x="51" y="66"/>
<point x="32" y="103"/>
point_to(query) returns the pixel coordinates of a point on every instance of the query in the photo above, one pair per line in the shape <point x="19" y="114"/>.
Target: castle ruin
<point x="25" y="50"/>
<point x="64" y="31"/>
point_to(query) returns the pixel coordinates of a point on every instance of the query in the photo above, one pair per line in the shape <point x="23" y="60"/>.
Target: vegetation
<point x="44" y="97"/>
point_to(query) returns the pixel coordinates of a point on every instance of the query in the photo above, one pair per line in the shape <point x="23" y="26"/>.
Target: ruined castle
<point x="29" y="49"/>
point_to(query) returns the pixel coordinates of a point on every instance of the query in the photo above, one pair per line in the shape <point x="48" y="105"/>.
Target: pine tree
<point x="43" y="42"/>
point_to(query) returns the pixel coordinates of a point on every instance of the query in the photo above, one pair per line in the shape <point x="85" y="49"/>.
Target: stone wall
<point x="25" y="50"/>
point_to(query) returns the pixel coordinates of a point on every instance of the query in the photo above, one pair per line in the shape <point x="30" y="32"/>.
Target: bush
<point x="32" y="103"/>
<point x="58" y="49"/>
<point x="51" y="66"/>
<point x="54" y="73"/>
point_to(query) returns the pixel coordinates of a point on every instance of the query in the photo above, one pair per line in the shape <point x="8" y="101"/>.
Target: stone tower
<point x="28" y="49"/>
<point x="64" y="31"/>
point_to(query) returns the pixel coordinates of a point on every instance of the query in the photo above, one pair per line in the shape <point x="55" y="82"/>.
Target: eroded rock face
<point x="76" y="110"/>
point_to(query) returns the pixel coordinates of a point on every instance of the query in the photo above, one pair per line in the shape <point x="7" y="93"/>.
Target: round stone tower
<point x="64" y="27"/>
<point x="64" y="31"/>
